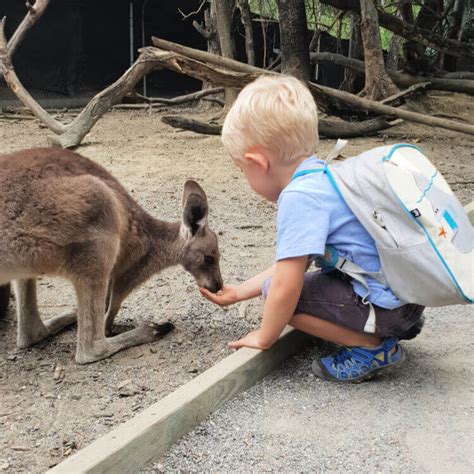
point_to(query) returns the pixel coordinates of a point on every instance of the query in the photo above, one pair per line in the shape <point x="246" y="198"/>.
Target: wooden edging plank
<point x="149" y="434"/>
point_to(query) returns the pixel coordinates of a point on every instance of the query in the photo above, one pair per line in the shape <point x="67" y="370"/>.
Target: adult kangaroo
<point x="63" y="215"/>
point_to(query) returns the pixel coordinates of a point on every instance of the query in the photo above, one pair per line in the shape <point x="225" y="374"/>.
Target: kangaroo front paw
<point x="162" y="328"/>
<point x="147" y="332"/>
<point x="154" y="331"/>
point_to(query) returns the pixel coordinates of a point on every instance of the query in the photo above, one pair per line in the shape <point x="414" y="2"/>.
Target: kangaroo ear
<point x="195" y="208"/>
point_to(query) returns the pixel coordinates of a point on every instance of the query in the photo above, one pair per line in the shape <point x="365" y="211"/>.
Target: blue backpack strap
<point x="309" y="171"/>
<point x="332" y="260"/>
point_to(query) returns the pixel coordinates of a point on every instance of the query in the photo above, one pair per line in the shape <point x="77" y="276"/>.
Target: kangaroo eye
<point x="209" y="260"/>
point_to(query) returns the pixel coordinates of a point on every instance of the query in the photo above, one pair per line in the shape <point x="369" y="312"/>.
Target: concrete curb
<point x="148" y="435"/>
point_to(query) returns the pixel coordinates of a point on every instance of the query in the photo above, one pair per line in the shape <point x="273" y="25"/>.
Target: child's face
<point x="259" y="174"/>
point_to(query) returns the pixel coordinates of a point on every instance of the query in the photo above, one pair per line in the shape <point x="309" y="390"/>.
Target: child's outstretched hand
<point x="226" y="296"/>
<point x="252" y="339"/>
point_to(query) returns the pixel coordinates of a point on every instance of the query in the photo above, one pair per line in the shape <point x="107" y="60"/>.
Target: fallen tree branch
<point x="215" y="100"/>
<point x="15" y="85"/>
<point x="403" y="96"/>
<point x="225" y="71"/>
<point x="326" y="97"/>
<point x="71" y="134"/>
<point x="343" y="129"/>
<point x="191" y="124"/>
<point x="327" y="128"/>
<point x="401" y="79"/>
<point x="103" y="101"/>
<point x="409" y="31"/>
<point x="182" y="98"/>
<point x="142" y="106"/>
<point x="456" y="75"/>
<point x="450" y="116"/>
<point x="17" y="117"/>
<point x="34" y="13"/>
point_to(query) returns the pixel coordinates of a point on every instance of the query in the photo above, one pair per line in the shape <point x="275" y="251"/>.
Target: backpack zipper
<point x="377" y="216"/>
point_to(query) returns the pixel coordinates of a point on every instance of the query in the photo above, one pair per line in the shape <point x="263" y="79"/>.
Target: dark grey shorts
<point x="331" y="297"/>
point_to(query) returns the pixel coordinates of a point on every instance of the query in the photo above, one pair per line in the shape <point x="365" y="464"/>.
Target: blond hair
<point x="277" y="113"/>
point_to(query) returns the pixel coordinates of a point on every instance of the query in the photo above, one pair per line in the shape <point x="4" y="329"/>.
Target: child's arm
<point x="280" y="305"/>
<point x="231" y="294"/>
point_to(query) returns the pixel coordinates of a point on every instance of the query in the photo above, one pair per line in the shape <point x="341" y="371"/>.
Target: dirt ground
<point x="50" y="407"/>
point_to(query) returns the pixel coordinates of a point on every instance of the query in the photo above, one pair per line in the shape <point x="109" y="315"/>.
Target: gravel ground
<point x="417" y="418"/>
<point x="50" y="407"/>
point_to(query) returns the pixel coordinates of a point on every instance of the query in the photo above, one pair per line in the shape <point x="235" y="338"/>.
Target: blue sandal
<point x="354" y="364"/>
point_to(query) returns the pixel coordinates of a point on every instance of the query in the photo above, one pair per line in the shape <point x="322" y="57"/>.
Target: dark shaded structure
<point x="79" y="47"/>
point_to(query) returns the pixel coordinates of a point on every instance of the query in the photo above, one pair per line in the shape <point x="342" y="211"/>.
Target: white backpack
<point x="423" y="235"/>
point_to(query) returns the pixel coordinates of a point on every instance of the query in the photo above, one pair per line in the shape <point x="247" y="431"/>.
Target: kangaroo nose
<point x="215" y="287"/>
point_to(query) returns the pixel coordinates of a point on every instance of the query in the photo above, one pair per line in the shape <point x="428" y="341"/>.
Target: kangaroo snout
<point x="215" y="286"/>
<point x="210" y="281"/>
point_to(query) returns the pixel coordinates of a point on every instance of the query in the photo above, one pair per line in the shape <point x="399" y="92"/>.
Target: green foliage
<point x="323" y="16"/>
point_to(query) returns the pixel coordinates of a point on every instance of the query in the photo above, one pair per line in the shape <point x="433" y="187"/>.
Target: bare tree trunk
<point x="409" y="48"/>
<point x="293" y="38"/>
<point x="246" y="18"/>
<point x="224" y="17"/>
<point x="394" y="53"/>
<point x="395" y="50"/>
<point x="356" y="51"/>
<point x="455" y="32"/>
<point x="378" y="84"/>
<point x="210" y="33"/>
<point x="414" y="52"/>
<point x="209" y="30"/>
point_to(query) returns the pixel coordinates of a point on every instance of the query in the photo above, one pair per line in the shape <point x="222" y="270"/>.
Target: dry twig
<point x="186" y="16"/>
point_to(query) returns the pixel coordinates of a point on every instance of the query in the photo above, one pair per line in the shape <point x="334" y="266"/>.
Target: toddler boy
<point x="271" y="134"/>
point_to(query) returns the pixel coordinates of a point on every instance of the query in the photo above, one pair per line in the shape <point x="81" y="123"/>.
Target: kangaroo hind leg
<point x="92" y="345"/>
<point x="31" y="329"/>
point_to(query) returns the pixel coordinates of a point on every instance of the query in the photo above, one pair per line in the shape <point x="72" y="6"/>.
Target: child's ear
<point x="258" y="158"/>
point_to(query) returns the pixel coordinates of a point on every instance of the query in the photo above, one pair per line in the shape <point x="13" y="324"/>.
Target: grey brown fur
<point x="63" y="215"/>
